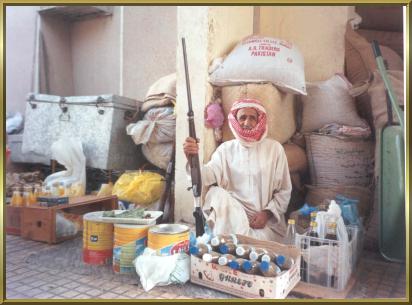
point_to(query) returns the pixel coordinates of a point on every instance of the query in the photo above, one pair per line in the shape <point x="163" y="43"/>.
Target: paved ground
<point x="35" y="270"/>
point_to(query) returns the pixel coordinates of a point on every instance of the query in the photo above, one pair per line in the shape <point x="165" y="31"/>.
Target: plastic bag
<point x="349" y="209"/>
<point x="334" y="214"/>
<point x="140" y="187"/>
<point x="69" y="153"/>
<point x="105" y="189"/>
<point x="306" y="209"/>
<point x="155" y="270"/>
<point x="157" y="126"/>
<point x="14" y="123"/>
<point x="65" y="227"/>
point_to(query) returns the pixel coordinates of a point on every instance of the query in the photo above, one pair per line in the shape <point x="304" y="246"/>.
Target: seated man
<point x="252" y="177"/>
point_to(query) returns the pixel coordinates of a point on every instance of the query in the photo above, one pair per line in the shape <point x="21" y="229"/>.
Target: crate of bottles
<point x="230" y="266"/>
<point x="329" y="262"/>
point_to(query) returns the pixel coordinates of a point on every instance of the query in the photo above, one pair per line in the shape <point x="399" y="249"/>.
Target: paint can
<point x="97" y="240"/>
<point x="169" y="239"/>
<point x="129" y="242"/>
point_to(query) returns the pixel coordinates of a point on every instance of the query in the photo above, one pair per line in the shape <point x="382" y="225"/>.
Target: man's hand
<point x="259" y="220"/>
<point x="190" y="147"/>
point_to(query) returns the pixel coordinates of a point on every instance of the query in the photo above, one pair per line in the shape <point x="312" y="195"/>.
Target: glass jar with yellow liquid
<point x="16" y="199"/>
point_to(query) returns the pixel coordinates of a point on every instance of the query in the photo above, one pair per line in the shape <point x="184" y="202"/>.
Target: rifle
<point x="194" y="159"/>
<point x="166" y="194"/>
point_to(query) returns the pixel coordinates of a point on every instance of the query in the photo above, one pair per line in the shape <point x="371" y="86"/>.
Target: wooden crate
<point x="13" y="220"/>
<point x="39" y="223"/>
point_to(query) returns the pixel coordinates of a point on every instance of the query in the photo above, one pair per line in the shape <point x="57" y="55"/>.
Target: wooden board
<point x="311" y="291"/>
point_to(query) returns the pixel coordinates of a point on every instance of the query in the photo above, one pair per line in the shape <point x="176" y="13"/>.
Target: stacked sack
<point x="368" y="86"/>
<point x="270" y="70"/>
<point x="156" y="130"/>
<point x="338" y="145"/>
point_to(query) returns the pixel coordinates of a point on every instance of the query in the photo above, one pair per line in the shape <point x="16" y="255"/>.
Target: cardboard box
<point x="246" y="285"/>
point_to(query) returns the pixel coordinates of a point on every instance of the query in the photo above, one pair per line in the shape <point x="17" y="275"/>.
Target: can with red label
<point x="169" y="239"/>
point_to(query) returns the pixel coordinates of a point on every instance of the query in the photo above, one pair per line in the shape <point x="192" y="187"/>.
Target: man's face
<point x="247" y="118"/>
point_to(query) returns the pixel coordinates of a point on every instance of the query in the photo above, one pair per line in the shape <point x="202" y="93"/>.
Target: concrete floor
<point x="35" y="270"/>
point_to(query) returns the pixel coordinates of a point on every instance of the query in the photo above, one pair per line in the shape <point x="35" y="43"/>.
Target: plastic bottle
<point x="284" y="262"/>
<point x="32" y="199"/>
<point x="331" y="231"/>
<point x="55" y="191"/>
<point x="243" y="251"/>
<point x="290" y="233"/>
<point x="257" y="253"/>
<point x="16" y="199"/>
<point x="200" y="249"/>
<point x="211" y="257"/>
<point x="225" y="259"/>
<point x="62" y="189"/>
<point x="313" y="216"/>
<point x="27" y="193"/>
<point x="269" y="269"/>
<point x="222" y="239"/>
<point x="313" y="233"/>
<point x="237" y="263"/>
<point x="251" y="267"/>
<point x="227" y="248"/>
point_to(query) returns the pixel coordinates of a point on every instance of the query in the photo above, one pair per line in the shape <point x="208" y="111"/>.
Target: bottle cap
<point x="253" y="255"/>
<point x="247" y="265"/>
<point x="313" y="224"/>
<point x="313" y="214"/>
<point x="222" y="261"/>
<point x="234" y="265"/>
<point x="280" y="260"/>
<point x="332" y="225"/>
<point x="240" y="251"/>
<point x="214" y="241"/>
<point x="194" y="250"/>
<point x="291" y="221"/>
<point x="265" y="258"/>
<point x="264" y="266"/>
<point x="207" y="257"/>
<point x="224" y="249"/>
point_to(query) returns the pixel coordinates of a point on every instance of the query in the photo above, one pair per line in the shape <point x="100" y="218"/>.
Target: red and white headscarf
<point x="248" y="137"/>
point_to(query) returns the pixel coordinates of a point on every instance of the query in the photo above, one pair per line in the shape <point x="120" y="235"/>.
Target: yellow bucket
<point x="129" y="242"/>
<point x="97" y="240"/>
<point x="168" y="239"/>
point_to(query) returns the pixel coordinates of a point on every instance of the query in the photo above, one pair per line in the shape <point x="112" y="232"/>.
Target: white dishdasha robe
<point x="249" y="180"/>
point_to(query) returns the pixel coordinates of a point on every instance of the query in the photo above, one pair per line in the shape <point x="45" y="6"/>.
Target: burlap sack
<point x="296" y="156"/>
<point x="392" y="40"/>
<point x="360" y="60"/>
<point x="339" y="161"/>
<point x="279" y="107"/>
<point x="329" y="102"/>
<point x="317" y="194"/>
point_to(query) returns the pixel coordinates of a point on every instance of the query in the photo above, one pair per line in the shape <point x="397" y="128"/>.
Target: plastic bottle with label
<point x="257" y="253"/>
<point x="221" y="239"/>
<point x="237" y="263"/>
<point x="200" y="249"/>
<point x="225" y="259"/>
<point x="227" y="248"/>
<point x="243" y="251"/>
<point x="211" y="257"/>
<point x="269" y="269"/>
<point x="251" y="267"/>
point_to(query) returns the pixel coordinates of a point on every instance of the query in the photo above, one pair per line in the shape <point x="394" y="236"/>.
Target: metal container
<point x="168" y="239"/>
<point x="99" y="121"/>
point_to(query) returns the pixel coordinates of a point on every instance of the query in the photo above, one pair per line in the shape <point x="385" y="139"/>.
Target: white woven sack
<point x="329" y="102"/>
<point x="262" y="59"/>
<point x="157" y="126"/>
<point x="339" y="161"/>
<point x="279" y="107"/>
<point x="158" y="154"/>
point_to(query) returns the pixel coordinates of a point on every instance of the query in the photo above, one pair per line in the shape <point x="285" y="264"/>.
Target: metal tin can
<point x="169" y="239"/>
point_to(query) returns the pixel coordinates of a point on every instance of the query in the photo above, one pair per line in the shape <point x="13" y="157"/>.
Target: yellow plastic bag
<point x="141" y="187"/>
